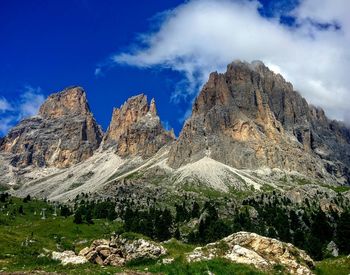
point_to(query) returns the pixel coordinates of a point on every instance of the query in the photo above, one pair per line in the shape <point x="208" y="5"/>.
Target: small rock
<point x="97" y="243"/>
<point x="114" y="260"/>
<point x="91" y="256"/>
<point x="332" y="248"/>
<point x="68" y="257"/>
<point x="168" y="260"/>
<point x="105" y="253"/>
<point x="99" y="260"/>
<point x="85" y="251"/>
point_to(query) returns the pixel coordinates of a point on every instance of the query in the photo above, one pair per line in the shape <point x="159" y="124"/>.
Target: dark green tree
<point x="195" y="213"/>
<point x="78" y="219"/>
<point x="343" y="233"/>
<point x="20" y="210"/>
<point x="65" y="211"/>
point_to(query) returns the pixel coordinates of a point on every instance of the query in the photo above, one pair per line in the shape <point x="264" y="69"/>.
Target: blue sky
<point x="116" y="49"/>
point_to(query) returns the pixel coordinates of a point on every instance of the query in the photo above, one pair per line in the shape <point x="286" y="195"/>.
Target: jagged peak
<point x="153" y="107"/>
<point x="259" y="67"/>
<point x="71" y="101"/>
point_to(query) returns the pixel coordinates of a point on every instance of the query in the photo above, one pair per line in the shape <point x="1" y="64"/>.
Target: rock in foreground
<point x="262" y="252"/>
<point x="119" y="251"/>
<point x="68" y="257"/>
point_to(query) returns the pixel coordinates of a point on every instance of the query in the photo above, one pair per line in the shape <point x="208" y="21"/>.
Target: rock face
<point x="250" y="118"/>
<point x="119" y="251"/>
<point x="63" y="133"/>
<point x="262" y="252"/>
<point x="135" y="129"/>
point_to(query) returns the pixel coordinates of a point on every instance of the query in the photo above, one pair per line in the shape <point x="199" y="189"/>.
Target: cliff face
<point x="135" y="129"/>
<point x="63" y="133"/>
<point x="250" y="117"/>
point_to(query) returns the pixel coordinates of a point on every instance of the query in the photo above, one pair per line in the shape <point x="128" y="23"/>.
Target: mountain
<point x="251" y="118"/>
<point x="135" y="129"/>
<point x="62" y="134"/>
<point x="249" y="132"/>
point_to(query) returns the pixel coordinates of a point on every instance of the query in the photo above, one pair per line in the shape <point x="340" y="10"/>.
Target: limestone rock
<point x="63" y="133"/>
<point x="262" y="252"/>
<point x="119" y="251"/>
<point x="85" y="251"/>
<point x="68" y="257"/>
<point x="251" y="118"/>
<point x="333" y="249"/>
<point x="114" y="260"/>
<point x="135" y="129"/>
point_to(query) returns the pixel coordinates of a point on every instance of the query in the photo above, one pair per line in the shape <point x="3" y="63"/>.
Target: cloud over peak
<point x="27" y="105"/>
<point x="201" y="36"/>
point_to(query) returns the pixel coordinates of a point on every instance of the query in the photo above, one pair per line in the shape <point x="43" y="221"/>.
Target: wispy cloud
<point x="4" y="105"/>
<point x="30" y="101"/>
<point x="98" y="72"/>
<point x="201" y="36"/>
<point x="27" y="104"/>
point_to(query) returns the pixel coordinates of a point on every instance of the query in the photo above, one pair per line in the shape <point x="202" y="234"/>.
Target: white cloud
<point x="11" y="112"/>
<point x="201" y="36"/>
<point x="30" y="102"/>
<point x="4" y="105"/>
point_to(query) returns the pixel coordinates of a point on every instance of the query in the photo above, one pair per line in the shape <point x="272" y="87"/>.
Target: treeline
<point x="86" y="211"/>
<point x="307" y="226"/>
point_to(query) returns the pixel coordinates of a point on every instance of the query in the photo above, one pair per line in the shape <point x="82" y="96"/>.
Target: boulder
<point x="332" y="248"/>
<point x="262" y="252"/>
<point x="91" y="256"/>
<point x="114" y="260"/>
<point x="85" y="251"/>
<point x="118" y="251"/>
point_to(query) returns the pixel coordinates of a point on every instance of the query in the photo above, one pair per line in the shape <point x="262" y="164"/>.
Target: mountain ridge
<point x="245" y="122"/>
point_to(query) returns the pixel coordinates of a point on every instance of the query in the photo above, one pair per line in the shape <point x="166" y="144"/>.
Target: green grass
<point x="335" y="266"/>
<point x="23" y="237"/>
<point x="339" y="188"/>
<point x="217" y="266"/>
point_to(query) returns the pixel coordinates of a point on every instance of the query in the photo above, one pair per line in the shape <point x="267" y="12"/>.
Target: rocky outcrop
<point x="63" y="133"/>
<point x="262" y="252"/>
<point x="68" y="257"/>
<point x="135" y="129"/>
<point x="251" y="118"/>
<point x="118" y="251"/>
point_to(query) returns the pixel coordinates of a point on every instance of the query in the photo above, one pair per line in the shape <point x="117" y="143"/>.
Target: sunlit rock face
<point x="136" y="129"/>
<point x="250" y="117"/>
<point x="63" y="133"/>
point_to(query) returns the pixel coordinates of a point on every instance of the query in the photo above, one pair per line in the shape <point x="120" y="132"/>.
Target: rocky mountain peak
<point x="71" y="101"/>
<point x="136" y="129"/>
<point x="249" y="118"/>
<point x="64" y="133"/>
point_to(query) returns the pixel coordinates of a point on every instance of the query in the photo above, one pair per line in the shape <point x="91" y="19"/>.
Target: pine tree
<point x="65" y="211"/>
<point x="20" y="210"/>
<point x="78" y="219"/>
<point x="343" y="233"/>
<point x="195" y="210"/>
<point x="88" y="217"/>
